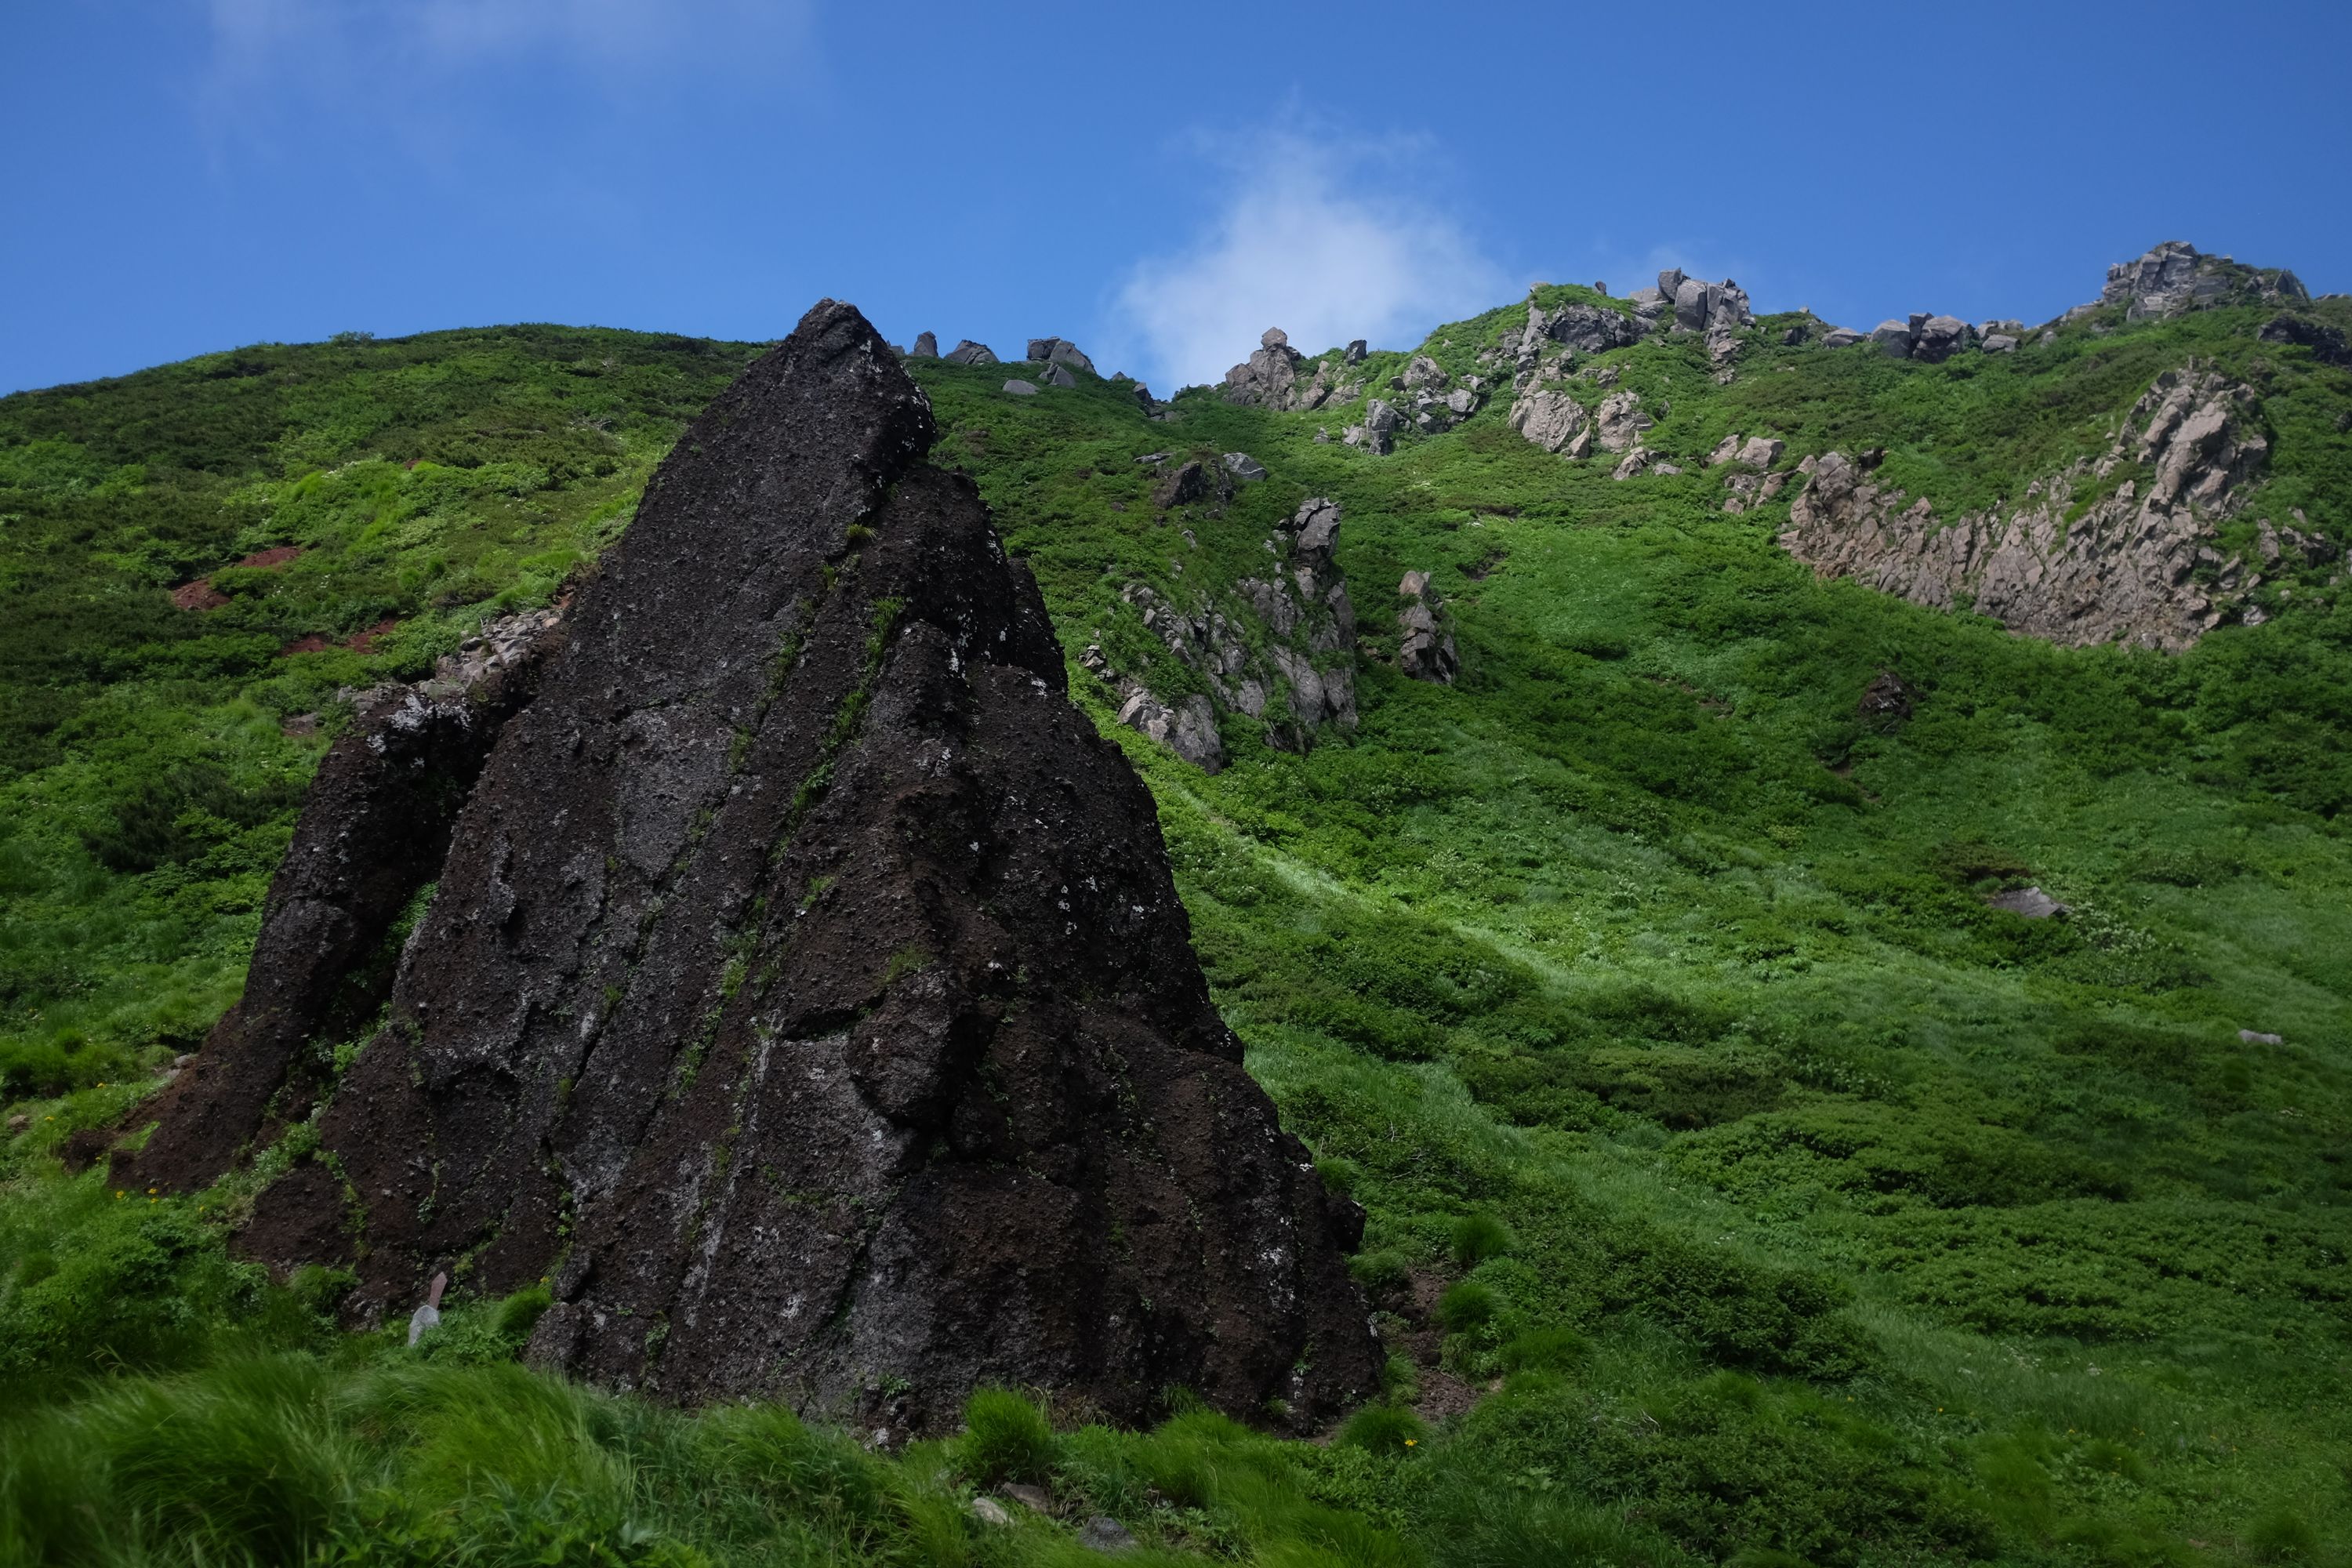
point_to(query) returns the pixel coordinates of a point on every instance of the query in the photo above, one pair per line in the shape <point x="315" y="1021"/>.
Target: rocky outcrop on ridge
<point x="1279" y="648"/>
<point x="805" y="994"/>
<point x="2135" y="565"/>
<point x="1271" y="377"/>
<point x="2175" y="277"/>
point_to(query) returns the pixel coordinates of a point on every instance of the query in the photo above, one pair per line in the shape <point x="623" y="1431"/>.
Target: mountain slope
<point x="1644" y="979"/>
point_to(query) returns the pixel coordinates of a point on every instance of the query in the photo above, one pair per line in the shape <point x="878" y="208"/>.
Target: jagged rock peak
<point x="805" y="992"/>
<point x="2176" y="276"/>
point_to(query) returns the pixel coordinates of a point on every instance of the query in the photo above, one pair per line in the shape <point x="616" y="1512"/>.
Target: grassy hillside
<point x="1742" y="1185"/>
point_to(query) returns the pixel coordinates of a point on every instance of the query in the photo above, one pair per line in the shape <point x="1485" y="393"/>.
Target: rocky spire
<point x="805" y="992"/>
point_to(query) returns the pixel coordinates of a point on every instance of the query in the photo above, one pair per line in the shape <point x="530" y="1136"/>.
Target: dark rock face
<point x="375" y="830"/>
<point x="2326" y="343"/>
<point x="806" y="994"/>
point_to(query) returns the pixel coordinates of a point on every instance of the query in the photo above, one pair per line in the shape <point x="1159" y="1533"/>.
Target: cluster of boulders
<point x="1271" y="377"/>
<point x="1425" y="649"/>
<point x="1930" y="340"/>
<point x="1279" y="648"/>
<point x="2135" y="564"/>
<point x="2176" y="278"/>
<point x="1555" y="419"/>
<point x="1756" y="477"/>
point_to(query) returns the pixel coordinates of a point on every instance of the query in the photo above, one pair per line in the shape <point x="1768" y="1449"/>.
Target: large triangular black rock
<point x="805" y="992"/>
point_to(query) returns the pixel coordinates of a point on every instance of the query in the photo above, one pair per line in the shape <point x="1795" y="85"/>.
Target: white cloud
<point x="1312" y="240"/>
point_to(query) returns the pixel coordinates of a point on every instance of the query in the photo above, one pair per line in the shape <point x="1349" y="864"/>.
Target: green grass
<point x="1785" y="1202"/>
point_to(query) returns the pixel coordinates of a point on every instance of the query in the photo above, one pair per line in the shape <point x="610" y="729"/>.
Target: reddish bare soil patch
<point x="199" y="594"/>
<point x="276" y="555"/>
<point x="365" y="640"/>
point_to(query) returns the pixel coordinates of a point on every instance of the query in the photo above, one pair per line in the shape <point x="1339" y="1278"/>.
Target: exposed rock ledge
<point x="1279" y="648"/>
<point x="2134" y="566"/>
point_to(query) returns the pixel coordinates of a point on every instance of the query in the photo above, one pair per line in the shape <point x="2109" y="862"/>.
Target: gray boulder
<point x="1243" y="467"/>
<point x="2000" y="343"/>
<point x="1939" y="338"/>
<point x="1893" y="338"/>
<point x="1620" y="421"/>
<point x="1057" y="374"/>
<point x="1840" y="338"/>
<point x="1355" y="353"/>
<point x="1425" y="649"/>
<point x="1269" y="378"/>
<point x="1670" y="283"/>
<point x="1189" y="728"/>
<point x="1590" y="328"/>
<point x="927" y="346"/>
<point x="1020" y="388"/>
<point x="1422" y="371"/>
<point x="1649" y="304"/>
<point x="1554" y="421"/>
<point x="970" y="352"/>
<point x="2032" y="903"/>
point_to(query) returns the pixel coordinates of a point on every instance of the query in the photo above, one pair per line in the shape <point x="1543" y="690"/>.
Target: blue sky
<point x="1158" y="183"/>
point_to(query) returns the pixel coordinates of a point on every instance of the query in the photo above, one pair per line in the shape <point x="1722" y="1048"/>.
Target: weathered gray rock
<point x="1757" y="452"/>
<point x="1938" y="338"/>
<point x="1554" y="421"/>
<point x="1378" y="432"/>
<point x="1649" y="304"/>
<point x="1620" y="421"/>
<point x="2031" y="903"/>
<point x="1670" y="283"/>
<point x="1840" y="338"/>
<point x="927" y="346"/>
<point x="1587" y="329"/>
<point x="2134" y="566"/>
<point x="1421" y="371"/>
<point x="1893" y="338"/>
<point x="1268" y="378"/>
<point x="1020" y="388"/>
<point x="970" y="352"/>
<point x="2257" y="1037"/>
<point x="2000" y="343"/>
<point x="1425" y="649"/>
<point x="1104" y="1534"/>
<point x="1189" y="728"/>
<point x="2175" y="277"/>
<point x="1356" y="352"/>
<point x="1243" y="467"/>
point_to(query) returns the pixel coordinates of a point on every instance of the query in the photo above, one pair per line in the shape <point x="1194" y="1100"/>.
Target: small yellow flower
<point x="1409" y="1442"/>
<point x="151" y="1192"/>
<point x="117" y="1191"/>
